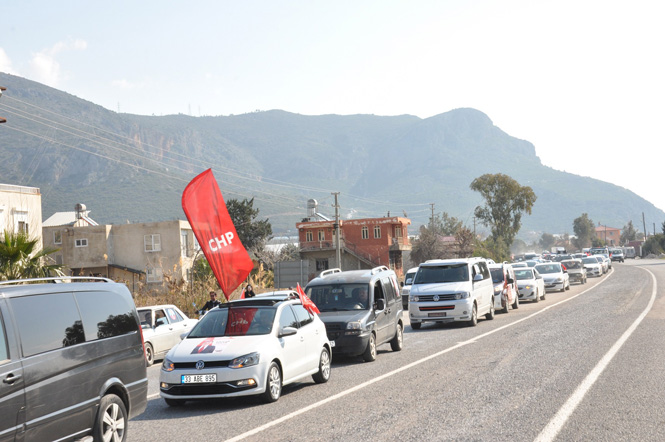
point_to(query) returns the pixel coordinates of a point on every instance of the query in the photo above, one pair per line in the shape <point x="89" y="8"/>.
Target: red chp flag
<point x="207" y="214"/>
<point x="306" y="302"/>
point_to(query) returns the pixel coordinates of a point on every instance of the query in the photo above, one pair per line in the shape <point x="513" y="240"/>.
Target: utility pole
<point x="644" y="224"/>
<point x="338" y="250"/>
<point x="431" y="221"/>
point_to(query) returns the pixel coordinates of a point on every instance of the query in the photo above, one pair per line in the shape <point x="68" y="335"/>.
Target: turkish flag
<point x="306" y="302"/>
<point x="207" y="214"/>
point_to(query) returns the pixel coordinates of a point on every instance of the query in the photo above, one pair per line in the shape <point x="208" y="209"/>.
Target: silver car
<point x="162" y="325"/>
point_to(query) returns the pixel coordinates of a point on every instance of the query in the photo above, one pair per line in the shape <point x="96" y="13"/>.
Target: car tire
<point x="149" y="355"/>
<point x="542" y="297"/>
<point x="398" y="341"/>
<point x="474" y="316"/>
<point x="322" y="376"/>
<point x="489" y="316"/>
<point x="370" y="351"/>
<point x="506" y="308"/>
<point x="516" y="304"/>
<point x="111" y="419"/>
<point x="174" y="402"/>
<point x="415" y="325"/>
<point x="537" y="296"/>
<point x="567" y="287"/>
<point x="273" y="384"/>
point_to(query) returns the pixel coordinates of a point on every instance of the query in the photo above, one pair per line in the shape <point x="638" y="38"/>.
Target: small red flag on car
<point x="212" y="225"/>
<point x="306" y="302"/>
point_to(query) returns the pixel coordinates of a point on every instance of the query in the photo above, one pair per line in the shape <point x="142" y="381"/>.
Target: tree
<point x="628" y="233"/>
<point x="505" y="202"/>
<point x="252" y="232"/>
<point x="20" y="259"/>
<point x="427" y="246"/>
<point x="447" y="225"/>
<point x="546" y="241"/>
<point x="465" y="242"/>
<point x="585" y="231"/>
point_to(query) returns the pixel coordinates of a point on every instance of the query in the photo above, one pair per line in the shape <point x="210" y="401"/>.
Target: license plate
<point x="437" y="315"/>
<point x="198" y="378"/>
<point x="332" y="343"/>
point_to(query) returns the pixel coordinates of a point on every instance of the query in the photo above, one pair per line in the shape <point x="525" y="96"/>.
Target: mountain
<point x="133" y="168"/>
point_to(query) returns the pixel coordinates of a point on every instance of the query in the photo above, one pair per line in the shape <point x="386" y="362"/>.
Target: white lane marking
<point x="399" y="370"/>
<point x="552" y="429"/>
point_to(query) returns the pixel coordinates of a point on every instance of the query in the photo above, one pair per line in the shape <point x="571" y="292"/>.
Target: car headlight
<point x="497" y="290"/>
<point x="168" y="365"/>
<point x="413" y="298"/>
<point x="245" y="361"/>
<point x="354" y="325"/>
<point x="527" y="287"/>
<point x="462" y="295"/>
<point x="558" y="280"/>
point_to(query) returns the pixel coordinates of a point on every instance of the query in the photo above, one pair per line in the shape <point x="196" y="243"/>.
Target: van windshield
<point x="497" y="275"/>
<point x="339" y="297"/>
<point x="442" y="273"/>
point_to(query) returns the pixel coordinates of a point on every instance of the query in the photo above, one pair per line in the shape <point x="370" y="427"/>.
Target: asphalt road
<point x="583" y="365"/>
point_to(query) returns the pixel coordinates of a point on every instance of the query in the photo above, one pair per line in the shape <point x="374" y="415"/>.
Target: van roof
<point x="351" y="276"/>
<point x="434" y="262"/>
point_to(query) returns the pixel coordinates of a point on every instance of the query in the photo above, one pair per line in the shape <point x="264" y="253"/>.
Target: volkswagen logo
<point x="200" y="365"/>
<point x="436" y="298"/>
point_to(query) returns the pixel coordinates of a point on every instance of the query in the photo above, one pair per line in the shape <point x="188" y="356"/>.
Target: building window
<point x="152" y="243"/>
<point x="58" y="259"/>
<point x="82" y="242"/>
<point x="21" y="219"/>
<point x="322" y="235"/>
<point x="321" y="264"/>
<point x="153" y="274"/>
<point x="398" y="231"/>
<point x="309" y="236"/>
<point x="377" y="231"/>
<point x="184" y="249"/>
<point x="364" y="233"/>
<point x="57" y="237"/>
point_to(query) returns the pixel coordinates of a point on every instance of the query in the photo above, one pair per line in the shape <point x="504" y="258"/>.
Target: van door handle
<point x="11" y="378"/>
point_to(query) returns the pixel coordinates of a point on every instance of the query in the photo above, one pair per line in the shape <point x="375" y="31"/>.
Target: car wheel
<point x="370" y="351"/>
<point x="174" y="402"/>
<point x="111" y="420"/>
<point x="542" y="298"/>
<point x="516" y="304"/>
<point x="324" y="368"/>
<point x="474" y="316"/>
<point x="273" y="383"/>
<point x="537" y="297"/>
<point x="398" y="341"/>
<point x="149" y="354"/>
<point x="506" y="307"/>
<point x="567" y="286"/>
<point x="491" y="313"/>
<point x="415" y="325"/>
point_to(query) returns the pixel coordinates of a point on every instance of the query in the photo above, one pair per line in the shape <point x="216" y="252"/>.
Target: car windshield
<point x="572" y="265"/>
<point x="408" y="279"/>
<point x="548" y="268"/>
<point x="340" y="297"/>
<point x="235" y="321"/>
<point x="590" y="260"/>
<point x="497" y="275"/>
<point x="442" y="273"/>
<point x="524" y="274"/>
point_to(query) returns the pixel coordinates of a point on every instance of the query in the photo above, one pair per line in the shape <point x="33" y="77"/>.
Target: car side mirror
<point x="380" y="304"/>
<point x="478" y="277"/>
<point x="183" y="335"/>
<point x="287" y="331"/>
<point x="510" y="280"/>
<point x="401" y="283"/>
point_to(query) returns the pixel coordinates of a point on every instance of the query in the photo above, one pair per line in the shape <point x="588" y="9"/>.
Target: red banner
<point x="207" y="214"/>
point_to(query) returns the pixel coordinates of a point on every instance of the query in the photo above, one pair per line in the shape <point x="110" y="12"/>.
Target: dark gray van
<point x="361" y="309"/>
<point x="72" y="364"/>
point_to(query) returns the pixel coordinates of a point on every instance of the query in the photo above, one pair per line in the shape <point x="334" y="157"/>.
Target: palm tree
<point x="20" y="260"/>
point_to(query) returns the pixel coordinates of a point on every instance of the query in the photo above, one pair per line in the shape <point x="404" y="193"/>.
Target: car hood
<point x="525" y="282"/>
<point x="343" y="316"/>
<point x="225" y="347"/>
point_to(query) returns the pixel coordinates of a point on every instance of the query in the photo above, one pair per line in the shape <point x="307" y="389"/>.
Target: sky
<point x="584" y="81"/>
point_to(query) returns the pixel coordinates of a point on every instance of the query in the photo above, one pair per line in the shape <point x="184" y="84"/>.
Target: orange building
<point x="364" y="243"/>
<point x="611" y="235"/>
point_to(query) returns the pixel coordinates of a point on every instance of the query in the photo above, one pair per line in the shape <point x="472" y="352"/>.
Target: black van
<point x="72" y="363"/>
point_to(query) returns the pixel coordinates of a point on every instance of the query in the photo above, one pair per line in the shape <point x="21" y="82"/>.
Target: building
<point x="141" y="253"/>
<point x="611" y="235"/>
<point x="21" y="211"/>
<point x="364" y="243"/>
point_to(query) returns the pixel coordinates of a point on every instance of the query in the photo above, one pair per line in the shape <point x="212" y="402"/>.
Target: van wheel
<point x="490" y="314"/>
<point x="415" y="325"/>
<point x="474" y="316"/>
<point x="398" y="341"/>
<point x="111" y="420"/>
<point x="323" y="374"/>
<point x="174" y="402"/>
<point x="149" y="354"/>
<point x="273" y="384"/>
<point x="370" y="352"/>
<point x="516" y="304"/>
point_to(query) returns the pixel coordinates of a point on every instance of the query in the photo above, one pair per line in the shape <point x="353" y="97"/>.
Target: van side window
<point x="378" y="291"/>
<point x="304" y="317"/>
<point x="484" y="270"/>
<point x="4" y="351"/>
<point x="47" y="322"/>
<point x="388" y="289"/>
<point x="105" y="314"/>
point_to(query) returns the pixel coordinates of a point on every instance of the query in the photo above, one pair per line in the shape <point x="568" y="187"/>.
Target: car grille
<point x="208" y="364"/>
<point x="201" y="390"/>
<point x="335" y="329"/>
<point x="440" y="307"/>
<point x="442" y="297"/>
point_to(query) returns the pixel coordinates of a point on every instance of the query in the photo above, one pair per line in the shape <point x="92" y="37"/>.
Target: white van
<point x="406" y="286"/>
<point x="447" y="290"/>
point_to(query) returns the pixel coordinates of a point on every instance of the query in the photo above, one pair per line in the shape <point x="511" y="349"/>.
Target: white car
<point x="162" y="327"/>
<point x="602" y="262"/>
<point x="592" y="266"/>
<point x="554" y="276"/>
<point x="530" y="284"/>
<point x="406" y="287"/>
<point x="247" y="347"/>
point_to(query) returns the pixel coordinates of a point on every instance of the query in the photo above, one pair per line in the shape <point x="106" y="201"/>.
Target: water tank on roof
<point x="312" y="204"/>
